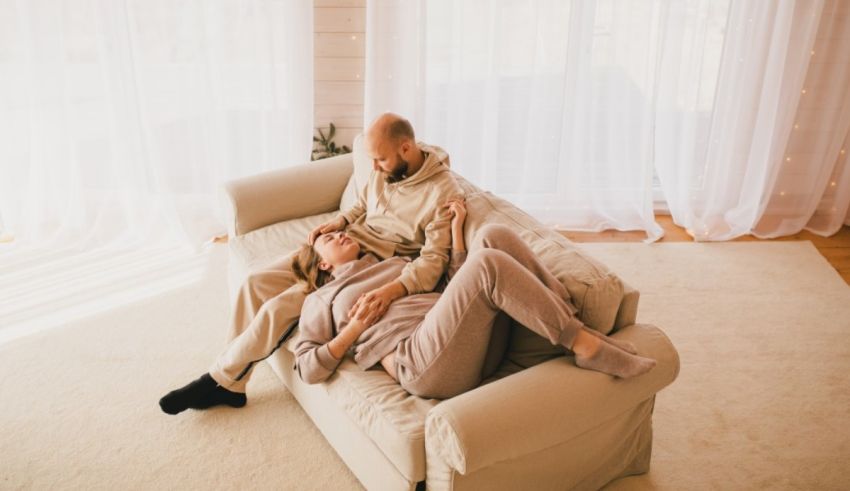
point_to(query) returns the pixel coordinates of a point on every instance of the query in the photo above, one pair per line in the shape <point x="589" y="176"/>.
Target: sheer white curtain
<point x="121" y="119"/>
<point x="569" y="108"/>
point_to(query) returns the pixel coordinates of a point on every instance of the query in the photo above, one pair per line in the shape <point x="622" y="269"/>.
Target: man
<point x="398" y="213"/>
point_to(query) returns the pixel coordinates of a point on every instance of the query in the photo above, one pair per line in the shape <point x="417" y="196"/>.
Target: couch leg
<point x="420" y="486"/>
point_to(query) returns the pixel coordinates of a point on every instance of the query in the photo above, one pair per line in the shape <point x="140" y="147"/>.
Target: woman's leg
<point x="503" y="238"/>
<point x="444" y="356"/>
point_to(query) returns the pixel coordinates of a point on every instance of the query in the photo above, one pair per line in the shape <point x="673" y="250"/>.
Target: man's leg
<point x="259" y="287"/>
<point x="262" y="315"/>
<point x="273" y="324"/>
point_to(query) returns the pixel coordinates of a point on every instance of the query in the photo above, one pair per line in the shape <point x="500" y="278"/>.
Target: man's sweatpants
<point x="445" y="354"/>
<point x="264" y="316"/>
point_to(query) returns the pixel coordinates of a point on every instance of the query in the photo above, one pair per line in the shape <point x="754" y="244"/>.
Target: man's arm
<point x="425" y="270"/>
<point x="423" y="273"/>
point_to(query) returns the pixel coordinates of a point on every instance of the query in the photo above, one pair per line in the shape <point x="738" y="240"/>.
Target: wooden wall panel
<point x="339" y="66"/>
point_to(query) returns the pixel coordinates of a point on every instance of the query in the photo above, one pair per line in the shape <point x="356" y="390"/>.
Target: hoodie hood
<point x="436" y="161"/>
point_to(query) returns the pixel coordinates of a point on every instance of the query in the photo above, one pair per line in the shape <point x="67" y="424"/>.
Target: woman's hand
<point x="457" y="207"/>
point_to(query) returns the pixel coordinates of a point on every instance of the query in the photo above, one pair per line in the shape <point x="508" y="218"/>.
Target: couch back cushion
<point x="360" y="176"/>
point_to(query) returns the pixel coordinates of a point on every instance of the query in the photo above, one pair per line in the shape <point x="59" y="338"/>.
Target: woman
<point x="435" y="344"/>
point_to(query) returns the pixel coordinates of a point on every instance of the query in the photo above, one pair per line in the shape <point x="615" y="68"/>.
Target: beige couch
<point x="539" y="423"/>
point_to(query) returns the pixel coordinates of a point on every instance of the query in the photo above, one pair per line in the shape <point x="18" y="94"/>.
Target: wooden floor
<point x="836" y="248"/>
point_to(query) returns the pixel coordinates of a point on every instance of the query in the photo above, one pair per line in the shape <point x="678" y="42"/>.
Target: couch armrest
<point x="543" y="406"/>
<point x="293" y="192"/>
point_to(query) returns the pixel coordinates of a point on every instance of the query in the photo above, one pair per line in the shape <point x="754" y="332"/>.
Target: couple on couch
<point x="390" y="280"/>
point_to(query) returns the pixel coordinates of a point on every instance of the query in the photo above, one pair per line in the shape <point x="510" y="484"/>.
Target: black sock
<point x="203" y="393"/>
<point x="219" y="396"/>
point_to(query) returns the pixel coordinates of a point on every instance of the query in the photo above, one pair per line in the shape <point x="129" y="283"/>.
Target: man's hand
<point x="337" y="223"/>
<point x="374" y="304"/>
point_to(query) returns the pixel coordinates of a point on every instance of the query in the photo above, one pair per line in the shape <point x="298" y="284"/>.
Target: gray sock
<point x="620" y="343"/>
<point x="614" y="361"/>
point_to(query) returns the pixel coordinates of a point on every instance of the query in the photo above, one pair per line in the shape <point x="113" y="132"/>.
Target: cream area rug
<point x="762" y="400"/>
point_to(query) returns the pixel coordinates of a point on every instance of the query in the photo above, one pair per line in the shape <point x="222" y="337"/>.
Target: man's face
<point x="387" y="159"/>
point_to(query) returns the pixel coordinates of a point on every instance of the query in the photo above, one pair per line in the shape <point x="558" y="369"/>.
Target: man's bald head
<point x="390" y="128"/>
<point x="391" y="144"/>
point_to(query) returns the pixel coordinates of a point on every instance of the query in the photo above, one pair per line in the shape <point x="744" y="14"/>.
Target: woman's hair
<point x="305" y="267"/>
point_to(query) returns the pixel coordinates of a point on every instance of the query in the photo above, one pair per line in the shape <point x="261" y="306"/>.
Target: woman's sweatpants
<point x="445" y="354"/>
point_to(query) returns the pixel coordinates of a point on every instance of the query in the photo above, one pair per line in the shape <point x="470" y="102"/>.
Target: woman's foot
<point x="595" y="354"/>
<point x="203" y="393"/>
<point x="620" y="343"/>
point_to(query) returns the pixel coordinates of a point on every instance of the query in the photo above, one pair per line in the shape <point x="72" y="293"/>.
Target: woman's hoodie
<point x="325" y="314"/>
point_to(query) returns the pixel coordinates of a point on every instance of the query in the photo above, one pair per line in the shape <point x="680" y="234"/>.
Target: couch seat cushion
<point x="393" y="419"/>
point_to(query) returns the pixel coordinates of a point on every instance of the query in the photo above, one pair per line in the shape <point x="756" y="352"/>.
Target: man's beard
<point x="400" y="173"/>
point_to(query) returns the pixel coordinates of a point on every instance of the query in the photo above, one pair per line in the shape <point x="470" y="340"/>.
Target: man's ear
<point x="405" y="147"/>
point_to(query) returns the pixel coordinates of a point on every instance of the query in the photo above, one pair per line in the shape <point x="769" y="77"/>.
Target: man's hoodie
<point x="405" y="219"/>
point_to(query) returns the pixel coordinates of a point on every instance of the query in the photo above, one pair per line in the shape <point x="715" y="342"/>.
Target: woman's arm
<point x="317" y="352"/>
<point x="340" y="344"/>
<point x="313" y="358"/>
<point x="457" y="207"/>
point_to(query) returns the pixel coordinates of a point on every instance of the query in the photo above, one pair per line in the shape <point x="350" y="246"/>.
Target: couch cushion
<point x="360" y="176"/>
<point x="596" y="291"/>
<point x="255" y="250"/>
<point x="394" y="419"/>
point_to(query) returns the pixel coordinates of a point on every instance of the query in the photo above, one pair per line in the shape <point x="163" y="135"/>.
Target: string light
<point x="781" y="193"/>
<point x="803" y="91"/>
<point x="832" y="183"/>
<point x="796" y="126"/>
<point x="788" y="159"/>
<point x="353" y="38"/>
<point x="813" y="52"/>
<point x="842" y="151"/>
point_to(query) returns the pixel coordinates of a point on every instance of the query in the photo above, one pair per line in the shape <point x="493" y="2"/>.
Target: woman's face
<point x="336" y="249"/>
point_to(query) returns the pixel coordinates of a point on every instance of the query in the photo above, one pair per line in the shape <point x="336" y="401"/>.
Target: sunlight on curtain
<point x="568" y="108"/>
<point x="120" y="120"/>
<point x="812" y="188"/>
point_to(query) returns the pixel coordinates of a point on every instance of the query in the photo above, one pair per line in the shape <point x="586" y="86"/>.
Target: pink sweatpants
<point x="446" y="354"/>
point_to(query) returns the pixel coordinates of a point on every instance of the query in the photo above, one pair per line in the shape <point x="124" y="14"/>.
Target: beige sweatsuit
<point x="388" y="220"/>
